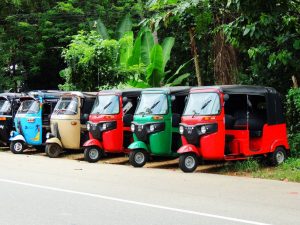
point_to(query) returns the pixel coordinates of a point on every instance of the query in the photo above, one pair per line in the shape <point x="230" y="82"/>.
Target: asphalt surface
<point x="38" y="190"/>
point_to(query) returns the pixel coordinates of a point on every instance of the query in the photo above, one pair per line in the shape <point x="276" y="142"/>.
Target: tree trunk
<point x="195" y="55"/>
<point x="295" y="82"/>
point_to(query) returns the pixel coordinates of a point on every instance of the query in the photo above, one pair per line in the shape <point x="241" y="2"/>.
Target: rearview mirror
<point x="125" y="99"/>
<point x="226" y="97"/>
<point x="173" y="97"/>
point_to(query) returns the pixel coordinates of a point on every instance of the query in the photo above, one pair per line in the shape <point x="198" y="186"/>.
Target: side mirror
<point x="173" y="98"/>
<point x="125" y="99"/>
<point x="186" y="98"/>
<point x="84" y="118"/>
<point x="226" y="97"/>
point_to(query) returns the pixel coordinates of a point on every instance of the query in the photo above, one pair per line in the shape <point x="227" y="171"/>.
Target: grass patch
<point x="288" y="171"/>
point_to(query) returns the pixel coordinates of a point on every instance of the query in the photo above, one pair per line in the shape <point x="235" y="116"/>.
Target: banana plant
<point x="153" y="58"/>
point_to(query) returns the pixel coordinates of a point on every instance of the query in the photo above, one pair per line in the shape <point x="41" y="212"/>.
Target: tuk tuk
<point x="109" y="123"/>
<point x="232" y="123"/>
<point x="68" y="122"/>
<point x="32" y="120"/>
<point x="156" y="124"/>
<point x="9" y="104"/>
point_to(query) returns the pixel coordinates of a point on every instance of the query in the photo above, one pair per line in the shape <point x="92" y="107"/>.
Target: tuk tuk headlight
<point x="152" y="128"/>
<point x="88" y="126"/>
<point x="203" y="129"/>
<point x="132" y="127"/>
<point x="181" y="129"/>
<point x="104" y="126"/>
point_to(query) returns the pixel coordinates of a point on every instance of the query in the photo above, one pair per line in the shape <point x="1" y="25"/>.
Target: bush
<point x="293" y="120"/>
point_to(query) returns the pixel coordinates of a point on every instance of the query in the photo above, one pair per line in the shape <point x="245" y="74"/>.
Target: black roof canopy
<point x="177" y="90"/>
<point x="240" y="89"/>
<point x="130" y="92"/>
<point x="10" y="96"/>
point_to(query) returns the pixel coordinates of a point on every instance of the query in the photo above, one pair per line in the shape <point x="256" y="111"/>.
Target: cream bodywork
<point x="69" y="128"/>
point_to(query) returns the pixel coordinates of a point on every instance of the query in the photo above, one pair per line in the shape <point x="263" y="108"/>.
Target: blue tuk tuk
<point x="32" y="120"/>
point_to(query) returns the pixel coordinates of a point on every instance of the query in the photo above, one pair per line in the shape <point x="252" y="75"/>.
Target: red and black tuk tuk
<point x="232" y="122"/>
<point x="109" y="123"/>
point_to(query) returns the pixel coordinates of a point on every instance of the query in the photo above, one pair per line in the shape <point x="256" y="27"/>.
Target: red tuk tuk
<point x="232" y="122"/>
<point x="109" y="123"/>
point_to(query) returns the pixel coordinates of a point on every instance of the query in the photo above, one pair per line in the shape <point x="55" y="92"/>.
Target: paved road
<point x="39" y="190"/>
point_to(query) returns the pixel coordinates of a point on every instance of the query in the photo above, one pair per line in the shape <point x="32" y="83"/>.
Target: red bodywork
<point x="112" y="140"/>
<point x="212" y="146"/>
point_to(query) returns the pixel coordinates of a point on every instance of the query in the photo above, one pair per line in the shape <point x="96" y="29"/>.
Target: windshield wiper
<point x="105" y="107"/>
<point x="205" y="104"/>
<point x="194" y="111"/>
<point x="154" y="105"/>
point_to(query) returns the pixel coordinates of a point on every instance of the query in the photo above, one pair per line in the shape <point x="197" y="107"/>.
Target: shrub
<point x="293" y="120"/>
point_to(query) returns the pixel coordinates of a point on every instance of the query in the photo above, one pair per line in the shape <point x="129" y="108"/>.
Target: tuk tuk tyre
<point x="53" y="150"/>
<point x="17" y="147"/>
<point x="138" y="157"/>
<point x="278" y="156"/>
<point x="92" y="154"/>
<point x="188" y="162"/>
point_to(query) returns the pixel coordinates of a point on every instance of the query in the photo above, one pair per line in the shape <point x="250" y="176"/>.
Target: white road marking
<point x="134" y="202"/>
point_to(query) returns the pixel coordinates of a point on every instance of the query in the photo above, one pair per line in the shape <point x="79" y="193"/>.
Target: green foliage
<point x="249" y="165"/>
<point x="293" y="119"/>
<point x="92" y="62"/>
<point x="266" y="33"/>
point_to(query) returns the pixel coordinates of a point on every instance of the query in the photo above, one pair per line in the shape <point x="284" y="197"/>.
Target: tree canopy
<point x="91" y="44"/>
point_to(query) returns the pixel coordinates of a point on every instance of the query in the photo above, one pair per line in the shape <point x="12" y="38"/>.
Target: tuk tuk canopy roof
<point x="130" y="92"/>
<point x="10" y="95"/>
<point x="50" y="94"/>
<point x="275" y="113"/>
<point x="177" y="91"/>
<point x="240" y="89"/>
<point x="80" y="94"/>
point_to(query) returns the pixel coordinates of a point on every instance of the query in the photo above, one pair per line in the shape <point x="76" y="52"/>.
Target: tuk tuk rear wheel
<point x="278" y="156"/>
<point x="138" y="157"/>
<point x="17" y="147"/>
<point x="188" y="162"/>
<point x="53" y="150"/>
<point x="92" y="154"/>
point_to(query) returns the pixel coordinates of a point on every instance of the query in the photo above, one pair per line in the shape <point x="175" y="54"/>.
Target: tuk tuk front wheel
<point x="188" y="162"/>
<point x="17" y="147"/>
<point x="278" y="156"/>
<point x="92" y="154"/>
<point x="53" y="150"/>
<point x="138" y="158"/>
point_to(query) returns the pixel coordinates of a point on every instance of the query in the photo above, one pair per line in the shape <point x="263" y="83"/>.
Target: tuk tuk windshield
<point x="200" y="104"/>
<point x="29" y="107"/>
<point x="106" y="105"/>
<point x="152" y="104"/>
<point x="66" y="106"/>
<point x="4" y="107"/>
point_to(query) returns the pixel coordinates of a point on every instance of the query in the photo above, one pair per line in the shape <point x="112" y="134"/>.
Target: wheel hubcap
<point x="190" y="162"/>
<point x="280" y="157"/>
<point x="139" y="157"/>
<point x="18" y="146"/>
<point x="93" y="153"/>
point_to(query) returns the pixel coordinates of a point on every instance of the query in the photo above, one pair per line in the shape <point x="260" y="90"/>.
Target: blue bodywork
<point x="29" y="126"/>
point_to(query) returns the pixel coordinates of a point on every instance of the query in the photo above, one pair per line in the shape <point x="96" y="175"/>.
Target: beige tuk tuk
<point x="68" y="122"/>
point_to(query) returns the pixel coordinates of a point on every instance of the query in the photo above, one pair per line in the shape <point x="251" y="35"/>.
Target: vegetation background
<point x="92" y="44"/>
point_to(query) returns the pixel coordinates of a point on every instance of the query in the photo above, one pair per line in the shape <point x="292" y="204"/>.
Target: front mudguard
<point x="17" y="137"/>
<point x="54" y="140"/>
<point x="188" y="148"/>
<point x="93" y="142"/>
<point x="138" y="145"/>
